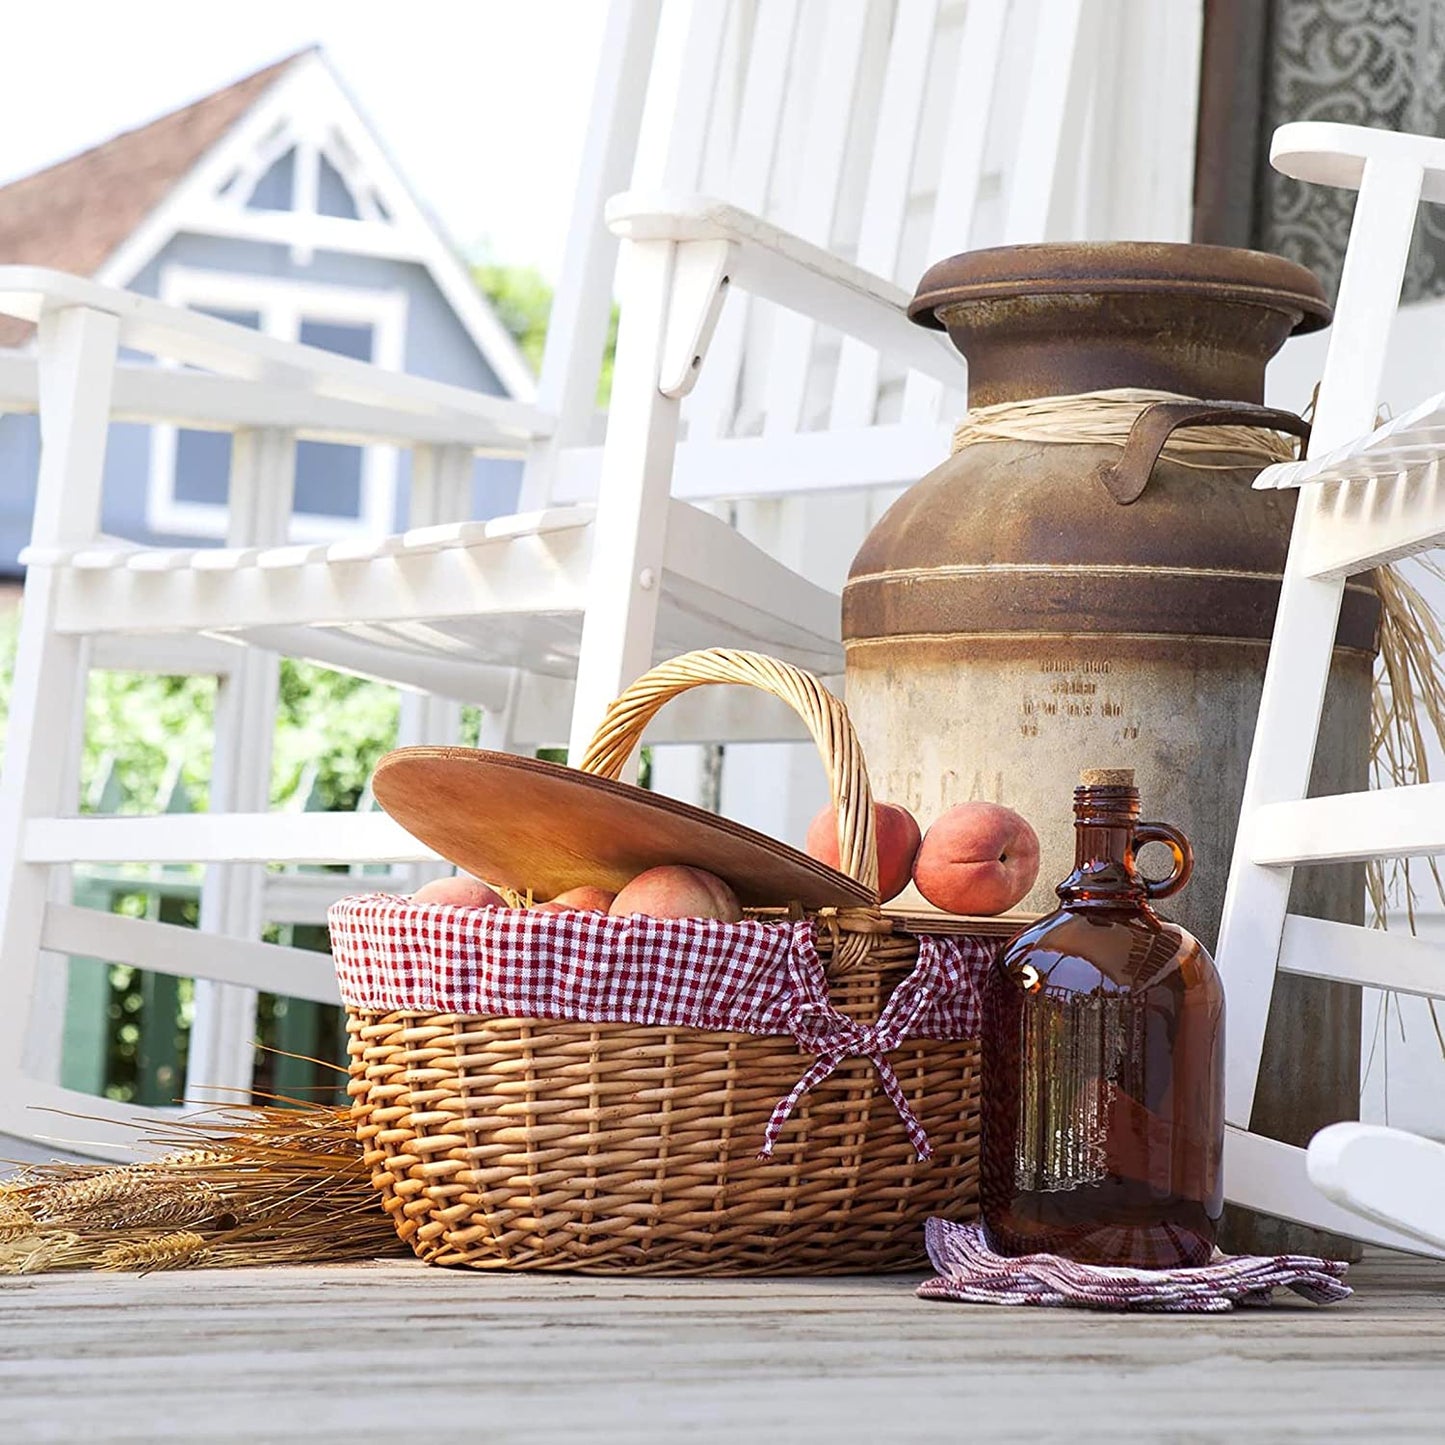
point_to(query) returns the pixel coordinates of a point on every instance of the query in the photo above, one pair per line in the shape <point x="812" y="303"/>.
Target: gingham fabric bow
<point x="944" y="970"/>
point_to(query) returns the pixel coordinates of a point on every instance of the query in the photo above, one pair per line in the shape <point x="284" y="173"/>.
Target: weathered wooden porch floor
<point x="398" y="1350"/>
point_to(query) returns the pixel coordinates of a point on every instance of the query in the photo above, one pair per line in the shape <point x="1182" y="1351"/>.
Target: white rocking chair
<point x="882" y="129"/>
<point x="1366" y="497"/>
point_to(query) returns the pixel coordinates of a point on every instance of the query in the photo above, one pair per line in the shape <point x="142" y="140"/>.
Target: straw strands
<point x="243" y="1185"/>
<point x="1409" y="699"/>
<point x="1105" y="418"/>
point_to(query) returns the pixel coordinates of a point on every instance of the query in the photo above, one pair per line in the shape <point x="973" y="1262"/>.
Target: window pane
<point x="328" y="476"/>
<point x="251" y="319"/>
<point x="273" y="190"/>
<point x="203" y="466"/>
<point x="203" y="458"/>
<point x="333" y="195"/>
<point x="328" y="479"/>
<point x="337" y="336"/>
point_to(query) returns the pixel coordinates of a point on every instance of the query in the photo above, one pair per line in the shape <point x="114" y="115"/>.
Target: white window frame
<point x="282" y="306"/>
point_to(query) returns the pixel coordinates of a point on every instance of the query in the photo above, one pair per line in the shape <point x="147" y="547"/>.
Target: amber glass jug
<point x="1103" y="1055"/>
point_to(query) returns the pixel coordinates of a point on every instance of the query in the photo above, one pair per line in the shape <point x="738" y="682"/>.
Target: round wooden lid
<point x="531" y="824"/>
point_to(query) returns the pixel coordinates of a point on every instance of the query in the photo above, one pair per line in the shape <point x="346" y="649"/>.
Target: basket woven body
<point x="508" y="1143"/>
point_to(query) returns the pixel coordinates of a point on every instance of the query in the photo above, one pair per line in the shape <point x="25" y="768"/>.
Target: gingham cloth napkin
<point x="969" y="1271"/>
<point x="393" y="955"/>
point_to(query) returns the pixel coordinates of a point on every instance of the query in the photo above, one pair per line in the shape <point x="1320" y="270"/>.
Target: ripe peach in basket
<point x="676" y="891"/>
<point x="898" y="838"/>
<point x="977" y="858"/>
<point x="585" y="899"/>
<point x="463" y="891"/>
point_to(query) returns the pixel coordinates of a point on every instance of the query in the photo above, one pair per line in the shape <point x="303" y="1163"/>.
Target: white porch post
<point x="221" y="1060"/>
<point x="441" y="484"/>
<point x="76" y="365"/>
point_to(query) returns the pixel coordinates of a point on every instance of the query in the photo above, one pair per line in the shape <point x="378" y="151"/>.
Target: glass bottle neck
<point x="1105" y="875"/>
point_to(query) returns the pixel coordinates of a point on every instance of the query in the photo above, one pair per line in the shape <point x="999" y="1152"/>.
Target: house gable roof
<point x="74" y="215"/>
<point x="108" y="211"/>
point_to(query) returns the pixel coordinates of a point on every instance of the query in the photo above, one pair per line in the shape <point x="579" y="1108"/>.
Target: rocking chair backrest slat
<point x="756" y="126"/>
<point x="812" y="193"/>
<point x="1054" y="113"/>
<point x="582" y="305"/>
<point x="683" y="107"/>
<point x="970" y="106"/>
<point x="885" y="202"/>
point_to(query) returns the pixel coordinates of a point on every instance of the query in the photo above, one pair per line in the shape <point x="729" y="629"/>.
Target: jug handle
<point x="1126" y="479"/>
<point x="1178" y="845"/>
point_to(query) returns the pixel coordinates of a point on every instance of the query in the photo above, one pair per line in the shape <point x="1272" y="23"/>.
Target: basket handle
<point x="825" y="716"/>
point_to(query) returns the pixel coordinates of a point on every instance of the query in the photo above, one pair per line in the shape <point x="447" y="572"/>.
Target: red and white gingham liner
<point x="393" y="955"/>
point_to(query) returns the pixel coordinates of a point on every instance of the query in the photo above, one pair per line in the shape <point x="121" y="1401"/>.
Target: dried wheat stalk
<point x="1409" y="696"/>
<point x="243" y="1185"/>
<point x="43" y="1250"/>
<point x="15" y="1219"/>
<point x="182" y="1249"/>
<point x="130" y="1196"/>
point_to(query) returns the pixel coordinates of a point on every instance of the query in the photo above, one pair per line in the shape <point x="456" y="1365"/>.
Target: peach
<point x="585" y="899"/>
<point x="979" y="858"/>
<point x="898" y="838"/>
<point x="463" y="891"/>
<point x="676" y="891"/>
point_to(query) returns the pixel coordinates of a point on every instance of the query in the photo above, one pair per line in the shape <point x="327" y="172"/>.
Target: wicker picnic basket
<point x="545" y="1144"/>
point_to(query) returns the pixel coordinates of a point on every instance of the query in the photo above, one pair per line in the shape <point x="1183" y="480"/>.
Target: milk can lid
<point x="1181" y="272"/>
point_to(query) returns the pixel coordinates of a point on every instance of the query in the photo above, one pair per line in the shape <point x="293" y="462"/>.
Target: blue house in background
<point x="269" y="203"/>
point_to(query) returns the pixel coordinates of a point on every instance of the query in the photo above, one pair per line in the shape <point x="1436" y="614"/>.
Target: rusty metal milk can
<point x="1045" y="599"/>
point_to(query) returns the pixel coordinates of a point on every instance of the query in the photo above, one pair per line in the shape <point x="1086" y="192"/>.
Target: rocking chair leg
<point x="1384" y="1175"/>
<point x="1271" y="1177"/>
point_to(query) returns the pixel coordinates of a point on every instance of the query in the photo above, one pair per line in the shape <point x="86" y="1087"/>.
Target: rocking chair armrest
<point x="773" y="263"/>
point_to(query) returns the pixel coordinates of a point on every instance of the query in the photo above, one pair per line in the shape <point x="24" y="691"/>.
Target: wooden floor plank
<point x="370" y="1351"/>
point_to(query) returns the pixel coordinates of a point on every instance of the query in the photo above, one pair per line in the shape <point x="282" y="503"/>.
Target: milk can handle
<point x="1126" y="479"/>
<point x="1178" y="845"/>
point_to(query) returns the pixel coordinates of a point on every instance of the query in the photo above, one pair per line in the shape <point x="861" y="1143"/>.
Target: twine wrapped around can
<point x="1095" y="418"/>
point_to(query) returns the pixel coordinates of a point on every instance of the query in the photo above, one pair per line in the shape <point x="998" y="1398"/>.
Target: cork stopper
<point x="1107" y="778"/>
